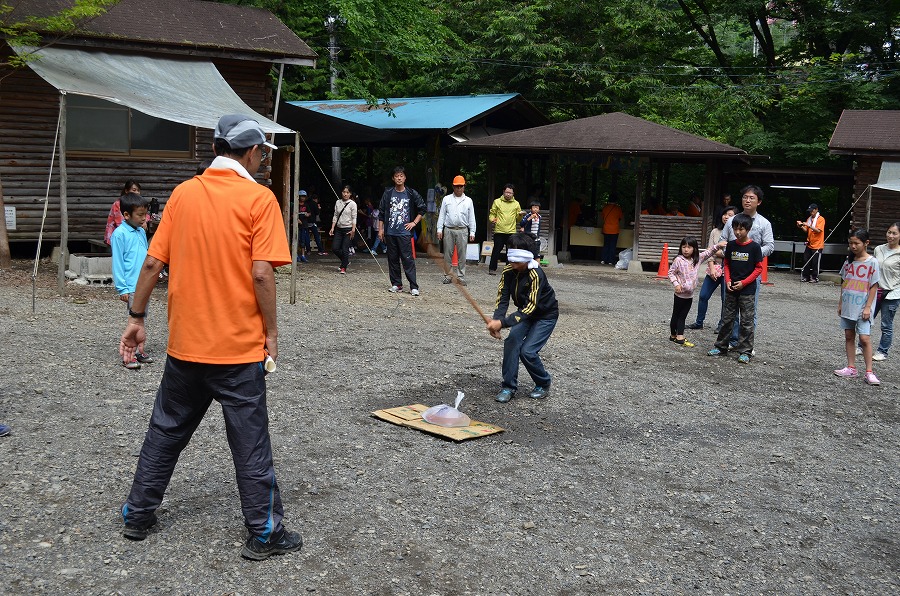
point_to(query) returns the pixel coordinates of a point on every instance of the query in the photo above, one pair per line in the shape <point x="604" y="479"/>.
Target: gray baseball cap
<point x="241" y="131"/>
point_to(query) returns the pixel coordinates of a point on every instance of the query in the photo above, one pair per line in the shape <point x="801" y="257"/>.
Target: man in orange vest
<point x="814" y="226"/>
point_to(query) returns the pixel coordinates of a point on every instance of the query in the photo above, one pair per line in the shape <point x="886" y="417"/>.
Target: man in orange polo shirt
<point x="612" y="217"/>
<point x="221" y="235"/>
<point x="815" y="244"/>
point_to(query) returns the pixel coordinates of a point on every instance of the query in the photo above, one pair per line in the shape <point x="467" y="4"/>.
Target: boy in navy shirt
<point x="742" y="265"/>
<point x="531" y="225"/>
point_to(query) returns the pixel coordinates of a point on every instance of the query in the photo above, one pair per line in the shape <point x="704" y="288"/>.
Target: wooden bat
<point x="436" y="256"/>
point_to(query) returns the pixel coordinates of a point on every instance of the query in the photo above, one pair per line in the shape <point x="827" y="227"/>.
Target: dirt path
<point x="652" y="469"/>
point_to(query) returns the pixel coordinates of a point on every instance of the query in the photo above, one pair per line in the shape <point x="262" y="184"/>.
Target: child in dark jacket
<point x="530" y="325"/>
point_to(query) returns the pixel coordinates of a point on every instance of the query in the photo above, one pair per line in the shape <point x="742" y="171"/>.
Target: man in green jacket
<point x="504" y="214"/>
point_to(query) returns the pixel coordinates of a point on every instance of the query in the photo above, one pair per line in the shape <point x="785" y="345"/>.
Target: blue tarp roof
<point x="412" y="113"/>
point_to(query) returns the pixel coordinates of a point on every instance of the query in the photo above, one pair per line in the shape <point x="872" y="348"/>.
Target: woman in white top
<point x="714" y="278"/>
<point x="888" y="256"/>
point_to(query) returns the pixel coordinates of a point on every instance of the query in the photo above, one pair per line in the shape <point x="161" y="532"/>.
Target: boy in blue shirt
<point x="129" y="249"/>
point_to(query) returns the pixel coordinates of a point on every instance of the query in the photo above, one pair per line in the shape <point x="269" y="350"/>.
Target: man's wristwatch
<point x="137" y="315"/>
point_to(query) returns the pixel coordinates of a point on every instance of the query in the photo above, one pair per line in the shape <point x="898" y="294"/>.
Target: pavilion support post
<point x="295" y="226"/>
<point x="555" y="207"/>
<point x="63" y="201"/>
<point x="634" y="266"/>
<point x="709" y="196"/>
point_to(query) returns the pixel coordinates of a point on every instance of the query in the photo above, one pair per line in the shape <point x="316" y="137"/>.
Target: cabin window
<point x="99" y="126"/>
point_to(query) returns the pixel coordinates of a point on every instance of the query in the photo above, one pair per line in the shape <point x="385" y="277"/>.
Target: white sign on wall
<point x="10" y="217"/>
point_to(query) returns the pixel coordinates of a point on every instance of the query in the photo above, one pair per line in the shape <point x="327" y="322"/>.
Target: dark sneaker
<point x="257" y="550"/>
<point x="539" y="392"/>
<point x="133" y="365"/>
<point x="695" y="326"/>
<point x="139" y="532"/>
<point x="143" y="358"/>
<point x="4" y="430"/>
<point x="505" y="395"/>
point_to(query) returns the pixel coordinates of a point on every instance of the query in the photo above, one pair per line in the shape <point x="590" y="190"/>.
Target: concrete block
<point x="99" y="266"/>
<point x="77" y="264"/>
<point x="634" y="266"/>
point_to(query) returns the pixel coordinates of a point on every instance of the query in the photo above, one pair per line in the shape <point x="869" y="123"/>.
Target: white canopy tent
<point x="188" y="91"/>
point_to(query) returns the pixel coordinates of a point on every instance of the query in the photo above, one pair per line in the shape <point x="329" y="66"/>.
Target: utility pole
<point x="332" y="23"/>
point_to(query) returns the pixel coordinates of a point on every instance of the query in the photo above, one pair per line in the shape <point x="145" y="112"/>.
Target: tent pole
<point x="295" y="226"/>
<point x="278" y="93"/>
<point x="63" y="201"/>
<point x="869" y="209"/>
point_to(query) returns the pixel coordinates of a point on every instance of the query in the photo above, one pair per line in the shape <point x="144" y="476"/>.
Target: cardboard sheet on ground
<point x="411" y="416"/>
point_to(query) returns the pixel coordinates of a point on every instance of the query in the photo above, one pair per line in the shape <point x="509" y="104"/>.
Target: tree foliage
<point x="769" y="76"/>
<point x="38" y="30"/>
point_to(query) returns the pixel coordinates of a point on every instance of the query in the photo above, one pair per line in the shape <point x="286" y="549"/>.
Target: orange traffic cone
<point x="663" y="272"/>
<point x="765" y="273"/>
<point x="455" y="261"/>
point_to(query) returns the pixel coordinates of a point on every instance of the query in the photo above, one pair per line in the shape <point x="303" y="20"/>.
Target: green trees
<point x="769" y="76"/>
<point x="36" y="31"/>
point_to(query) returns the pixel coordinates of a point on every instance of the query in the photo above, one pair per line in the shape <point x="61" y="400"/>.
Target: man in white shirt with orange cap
<point x="456" y="227"/>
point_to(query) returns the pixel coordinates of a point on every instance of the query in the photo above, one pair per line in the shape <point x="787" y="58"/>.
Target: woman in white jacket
<point x="888" y="299"/>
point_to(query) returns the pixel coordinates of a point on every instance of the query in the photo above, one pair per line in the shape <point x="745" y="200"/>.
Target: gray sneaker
<point x="505" y="395"/>
<point x="539" y="392"/>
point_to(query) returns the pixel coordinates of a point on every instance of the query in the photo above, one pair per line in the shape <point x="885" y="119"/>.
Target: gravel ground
<point x="652" y="468"/>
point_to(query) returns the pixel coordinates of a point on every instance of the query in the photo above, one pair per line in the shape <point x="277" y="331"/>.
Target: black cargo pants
<point x="184" y="395"/>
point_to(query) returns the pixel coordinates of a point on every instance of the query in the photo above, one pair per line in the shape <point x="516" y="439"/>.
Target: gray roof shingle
<point x="181" y="24"/>
<point x="867" y="131"/>
<point x="608" y="133"/>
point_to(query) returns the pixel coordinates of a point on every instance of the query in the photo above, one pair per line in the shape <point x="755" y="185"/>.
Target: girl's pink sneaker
<point x="871" y="379"/>
<point x="847" y="373"/>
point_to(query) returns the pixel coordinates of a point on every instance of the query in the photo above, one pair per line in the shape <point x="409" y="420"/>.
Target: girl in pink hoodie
<point x="683" y="275"/>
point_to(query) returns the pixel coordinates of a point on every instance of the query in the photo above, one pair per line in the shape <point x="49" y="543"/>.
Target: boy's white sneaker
<point x="879" y="356"/>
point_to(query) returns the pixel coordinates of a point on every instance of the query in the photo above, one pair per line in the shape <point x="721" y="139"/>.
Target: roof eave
<point x="864" y="152"/>
<point x="611" y="151"/>
<point x="188" y="50"/>
<point x="516" y="98"/>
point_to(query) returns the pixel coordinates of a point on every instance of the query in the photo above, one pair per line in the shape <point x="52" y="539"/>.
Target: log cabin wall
<point x="885" y="203"/>
<point x="29" y="111"/>
<point x="656" y="230"/>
